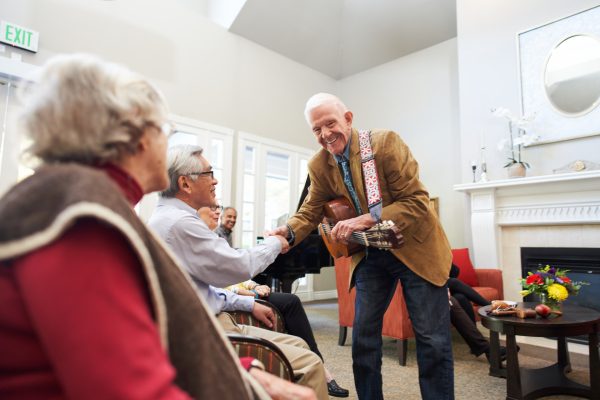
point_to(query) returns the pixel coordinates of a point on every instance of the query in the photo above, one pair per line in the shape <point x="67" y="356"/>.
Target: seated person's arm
<point x="210" y="259"/>
<point x="244" y="289"/>
<point x="276" y="387"/>
<point x="234" y="302"/>
<point x="250" y="288"/>
<point x="245" y="292"/>
<point x="280" y="389"/>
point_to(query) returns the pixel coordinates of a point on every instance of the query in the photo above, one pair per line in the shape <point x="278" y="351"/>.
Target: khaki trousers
<point x="308" y="367"/>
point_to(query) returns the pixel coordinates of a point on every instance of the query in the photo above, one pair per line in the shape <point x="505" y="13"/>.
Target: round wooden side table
<point x="525" y="383"/>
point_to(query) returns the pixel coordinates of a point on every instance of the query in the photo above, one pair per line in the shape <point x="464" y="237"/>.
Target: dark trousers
<point x="294" y="316"/>
<point x="376" y="278"/>
<point x="467" y="328"/>
<point x="465" y="294"/>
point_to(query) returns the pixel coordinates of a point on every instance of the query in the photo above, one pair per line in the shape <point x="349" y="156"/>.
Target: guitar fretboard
<point x="377" y="236"/>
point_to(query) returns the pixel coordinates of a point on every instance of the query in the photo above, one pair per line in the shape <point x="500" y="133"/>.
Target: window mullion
<point x="261" y="180"/>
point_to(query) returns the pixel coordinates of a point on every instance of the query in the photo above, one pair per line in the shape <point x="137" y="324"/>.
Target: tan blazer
<point x="426" y="250"/>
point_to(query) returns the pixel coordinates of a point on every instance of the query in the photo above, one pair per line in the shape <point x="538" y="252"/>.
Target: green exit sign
<point x="19" y="36"/>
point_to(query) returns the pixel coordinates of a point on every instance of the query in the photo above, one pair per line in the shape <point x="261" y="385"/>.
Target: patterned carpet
<point x="470" y="373"/>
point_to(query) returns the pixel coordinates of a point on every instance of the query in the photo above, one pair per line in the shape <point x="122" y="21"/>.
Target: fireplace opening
<point x="583" y="264"/>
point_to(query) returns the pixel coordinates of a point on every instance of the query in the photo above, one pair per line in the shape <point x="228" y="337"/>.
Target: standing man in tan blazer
<point x="422" y="264"/>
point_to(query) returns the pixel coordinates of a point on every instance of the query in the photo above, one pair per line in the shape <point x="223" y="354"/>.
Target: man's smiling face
<point x="331" y="126"/>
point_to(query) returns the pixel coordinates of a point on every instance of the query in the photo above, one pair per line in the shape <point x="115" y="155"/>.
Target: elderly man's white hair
<point x="320" y="99"/>
<point x="182" y="160"/>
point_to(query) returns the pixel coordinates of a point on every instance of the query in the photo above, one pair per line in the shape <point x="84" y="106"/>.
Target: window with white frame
<point x="304" y="283"/>
<point x="217" y="145"/>
<point x="15" y="165"/>
<point x="277" y="188"/>
<point x="273" y="174"/>
<point x="248" y="199"/>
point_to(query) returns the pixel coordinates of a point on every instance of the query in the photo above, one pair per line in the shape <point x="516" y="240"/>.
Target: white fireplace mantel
<point x="562" y="199"/>
<point x="540" y="211"/>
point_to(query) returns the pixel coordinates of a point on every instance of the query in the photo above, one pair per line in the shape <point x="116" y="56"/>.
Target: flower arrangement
<point x="522" y="138"/>
<point x="552" y="284"/>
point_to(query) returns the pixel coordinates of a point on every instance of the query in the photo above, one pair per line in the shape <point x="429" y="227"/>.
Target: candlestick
<point x="483" y="176"/>
<point x="474" y="168"/>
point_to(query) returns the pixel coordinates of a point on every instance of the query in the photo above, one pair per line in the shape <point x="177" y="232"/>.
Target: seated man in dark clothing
<point x="464" y="293"/>
<point x="462" y="315"/>
<point x="468" y="330"/>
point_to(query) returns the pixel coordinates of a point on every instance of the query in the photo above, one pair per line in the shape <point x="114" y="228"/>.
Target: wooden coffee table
<point x="525" y="383"/>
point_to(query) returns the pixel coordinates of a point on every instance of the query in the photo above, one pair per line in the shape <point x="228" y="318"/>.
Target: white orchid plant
<point x="523" y="135"/>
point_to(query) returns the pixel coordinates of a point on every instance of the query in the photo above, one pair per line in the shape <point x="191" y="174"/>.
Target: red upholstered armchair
<point x="487" y="282"/>
<point x="396" y="323"/>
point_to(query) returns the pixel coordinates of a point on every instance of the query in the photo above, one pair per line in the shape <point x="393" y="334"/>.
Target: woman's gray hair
<point x="83" y="109"/>
<point x="183" y="159"/>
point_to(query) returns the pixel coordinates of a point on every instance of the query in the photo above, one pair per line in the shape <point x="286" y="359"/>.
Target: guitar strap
<point x="370" y="177"/>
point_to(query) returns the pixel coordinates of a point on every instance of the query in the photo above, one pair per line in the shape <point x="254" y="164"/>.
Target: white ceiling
<point x="343" y="37"/>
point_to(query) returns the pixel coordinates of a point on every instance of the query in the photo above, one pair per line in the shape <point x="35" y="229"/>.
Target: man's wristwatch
<point x="291" y="236"/>
<point x="255" y="363"/>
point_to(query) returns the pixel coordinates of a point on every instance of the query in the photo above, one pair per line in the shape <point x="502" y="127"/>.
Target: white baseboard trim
<point x="320" y="295"/>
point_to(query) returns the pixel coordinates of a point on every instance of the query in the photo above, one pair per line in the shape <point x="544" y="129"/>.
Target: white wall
<point x="488" y="76"/>
<point x="205" y="72"/>
<point x="209" y="74"/>
<point x="212" y="75"/>
<point x="417" y="96"/>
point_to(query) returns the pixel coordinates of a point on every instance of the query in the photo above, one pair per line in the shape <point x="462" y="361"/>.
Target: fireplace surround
<point x="553" y="211"/>
<point x="583" y="264"/>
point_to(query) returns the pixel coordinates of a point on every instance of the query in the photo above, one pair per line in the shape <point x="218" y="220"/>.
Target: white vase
<point x="516" y="170"/>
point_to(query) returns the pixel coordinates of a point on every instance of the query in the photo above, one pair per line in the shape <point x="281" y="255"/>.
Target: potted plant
<point x="516" y="167"/>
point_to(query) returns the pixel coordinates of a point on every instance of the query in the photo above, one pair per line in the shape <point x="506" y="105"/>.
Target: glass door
<point x="14" y="166"/>
<point x="277" y="189"/>
<point x="273" y="174"/>
<point x="217" y="145"/>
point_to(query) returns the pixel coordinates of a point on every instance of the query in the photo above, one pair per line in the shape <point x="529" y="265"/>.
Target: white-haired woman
<point x="93" y="306"/>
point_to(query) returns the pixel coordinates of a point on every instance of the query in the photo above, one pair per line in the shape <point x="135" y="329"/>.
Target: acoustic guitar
<point x="381" y="236"/>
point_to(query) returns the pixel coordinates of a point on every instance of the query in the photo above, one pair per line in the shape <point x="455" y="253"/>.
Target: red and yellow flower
<point x="551" y="283"/>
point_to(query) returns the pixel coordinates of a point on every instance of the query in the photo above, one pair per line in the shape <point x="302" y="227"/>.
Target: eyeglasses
<point x="215" y="208"/>
<point x="210" y="174"/>
<point x="168" y="129"/>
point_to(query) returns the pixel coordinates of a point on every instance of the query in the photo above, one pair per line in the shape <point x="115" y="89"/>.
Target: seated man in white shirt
<point x="288" y="304"/>
<point x="212" y="263"/>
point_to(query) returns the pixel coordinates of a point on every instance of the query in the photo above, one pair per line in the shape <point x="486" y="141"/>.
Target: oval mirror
<point x="572" y="75"/>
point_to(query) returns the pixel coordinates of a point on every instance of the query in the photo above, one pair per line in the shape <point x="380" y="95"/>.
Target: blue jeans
<point x="376" y="277"/>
